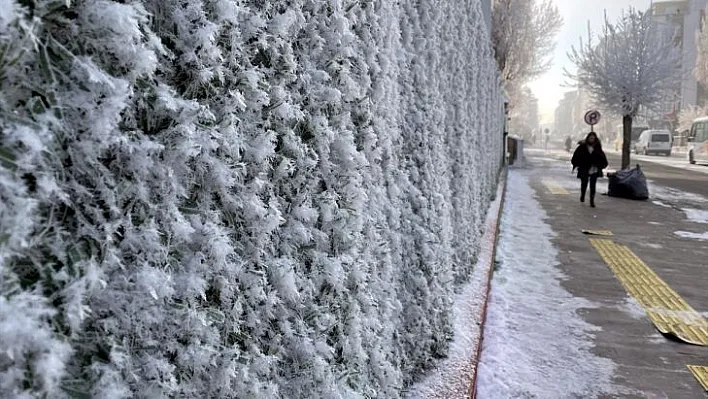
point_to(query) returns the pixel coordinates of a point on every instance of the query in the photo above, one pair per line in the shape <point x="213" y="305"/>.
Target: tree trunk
<point x="627" y="140"/>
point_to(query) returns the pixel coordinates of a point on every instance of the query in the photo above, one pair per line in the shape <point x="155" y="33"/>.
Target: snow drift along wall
<point x="221" y="198"/>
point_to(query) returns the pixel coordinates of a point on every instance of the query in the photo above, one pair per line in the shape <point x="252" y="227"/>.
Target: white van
<point x="654" y="142"/>
<point x="698" y="141"/>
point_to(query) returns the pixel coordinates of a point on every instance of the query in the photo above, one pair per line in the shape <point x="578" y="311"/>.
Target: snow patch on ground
<point x="697" y="215"/>
<point x="692" y="236"/>
<point x="661" y="204"/>
<point x="536" y="344"/>
<point x="650" y="245"/>
<point x="656" y="223"/>
<point x="657" y="338"/>
<point x="671" y="195"/>
<point x="452" y="377"/>
<point x="631" y="307"/>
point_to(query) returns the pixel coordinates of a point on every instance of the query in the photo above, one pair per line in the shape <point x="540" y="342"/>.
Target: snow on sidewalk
<point x="535" y="343"/>
<point x="697" y="215"/>
<point x="693" y="236"/>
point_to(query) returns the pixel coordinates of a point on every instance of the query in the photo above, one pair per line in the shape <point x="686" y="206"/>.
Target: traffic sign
<point x="592" y="117"/>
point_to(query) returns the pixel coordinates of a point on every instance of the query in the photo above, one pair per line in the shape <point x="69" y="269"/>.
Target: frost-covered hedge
<point x="229" y="198"/>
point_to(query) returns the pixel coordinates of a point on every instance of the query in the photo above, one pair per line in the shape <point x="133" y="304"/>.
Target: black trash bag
<point x="628" y="183"/>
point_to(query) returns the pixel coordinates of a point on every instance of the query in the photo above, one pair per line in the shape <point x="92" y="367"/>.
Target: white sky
<point x="576" y="14"/>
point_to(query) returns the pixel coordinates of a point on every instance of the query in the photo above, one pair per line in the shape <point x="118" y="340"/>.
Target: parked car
<point x="698" y="141"/>
<point x="654" y="142"/>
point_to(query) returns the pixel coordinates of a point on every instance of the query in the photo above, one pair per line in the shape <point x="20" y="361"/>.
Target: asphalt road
<point x="678" y="178"/>
<point x="646" y="363"/>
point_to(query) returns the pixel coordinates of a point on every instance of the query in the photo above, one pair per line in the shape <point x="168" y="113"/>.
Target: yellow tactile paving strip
<point x="701" y="374"/>
<point x="665" y="308"/>
<point x="555" y="188"/>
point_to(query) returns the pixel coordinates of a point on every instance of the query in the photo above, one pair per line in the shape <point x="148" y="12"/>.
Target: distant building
<point x="691" y="28"/>
<point x="570" y="117"/>
<point x="580" y="107"/>
<point x="684" y="18"/>
<point x="564" y="123"/>
<point x="532" y="111"/>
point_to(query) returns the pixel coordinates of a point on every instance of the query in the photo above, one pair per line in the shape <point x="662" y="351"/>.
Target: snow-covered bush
<point x="221" y="198"/>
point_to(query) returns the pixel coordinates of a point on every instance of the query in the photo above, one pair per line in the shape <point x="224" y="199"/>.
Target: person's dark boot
<point x="583" y="191"/>
<point x="592" y="202"/>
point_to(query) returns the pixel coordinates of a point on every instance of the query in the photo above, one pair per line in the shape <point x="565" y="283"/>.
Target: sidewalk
<point x="560" y="323"/>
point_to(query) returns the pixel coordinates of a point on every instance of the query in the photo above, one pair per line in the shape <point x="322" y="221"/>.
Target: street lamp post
<point x="505" y="134"/>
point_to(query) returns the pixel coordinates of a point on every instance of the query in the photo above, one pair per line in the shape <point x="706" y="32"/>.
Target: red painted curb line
<point x="473" y="386"/>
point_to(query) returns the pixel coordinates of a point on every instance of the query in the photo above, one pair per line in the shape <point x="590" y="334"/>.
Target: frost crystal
<point x="238" y="199"/>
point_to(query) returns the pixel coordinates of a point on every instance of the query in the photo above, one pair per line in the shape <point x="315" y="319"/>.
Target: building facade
<point x="564" y="123"/>
<point x="683" y="18"/>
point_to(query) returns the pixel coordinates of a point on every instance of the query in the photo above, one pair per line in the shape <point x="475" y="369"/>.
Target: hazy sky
<point x="576" y="14"/>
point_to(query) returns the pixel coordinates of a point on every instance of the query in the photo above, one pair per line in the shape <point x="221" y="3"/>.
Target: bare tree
<point x="523" y="116"/>
<point x="523" y="35"/>
<point x="634" y="64"/>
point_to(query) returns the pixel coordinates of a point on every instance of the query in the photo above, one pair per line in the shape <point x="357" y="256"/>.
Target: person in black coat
<point x="568" y="143"/>
<point x="590" y="161"/>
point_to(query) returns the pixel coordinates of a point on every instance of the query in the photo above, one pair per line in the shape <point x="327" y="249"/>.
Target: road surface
<point x="646" y="364"/>
<point x="677" y="162"/>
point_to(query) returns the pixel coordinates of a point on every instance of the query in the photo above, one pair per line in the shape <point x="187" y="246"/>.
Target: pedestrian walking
<point x="590" y="161"/>
<point x="568" y="144"/>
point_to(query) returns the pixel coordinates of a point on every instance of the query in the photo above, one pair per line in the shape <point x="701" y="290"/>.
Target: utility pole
<point x="505" y="133"/>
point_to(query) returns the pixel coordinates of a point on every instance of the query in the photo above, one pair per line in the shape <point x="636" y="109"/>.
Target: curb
<point x="495" y="237"/>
